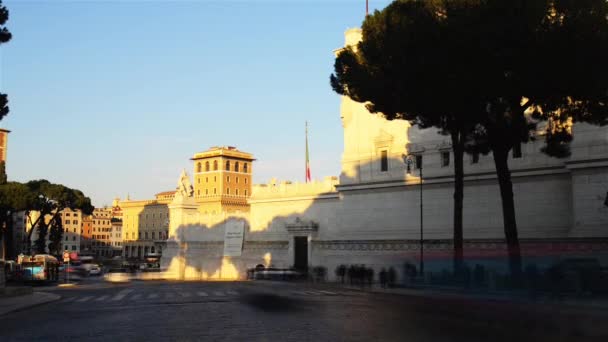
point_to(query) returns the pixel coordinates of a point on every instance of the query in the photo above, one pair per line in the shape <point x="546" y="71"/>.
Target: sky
<point x="114" y="97"/>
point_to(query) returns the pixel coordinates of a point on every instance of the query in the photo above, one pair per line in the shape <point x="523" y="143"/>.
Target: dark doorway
<point x="301" y="253"/>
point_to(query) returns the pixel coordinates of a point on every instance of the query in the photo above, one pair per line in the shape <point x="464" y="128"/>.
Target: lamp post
<point x="409" y="161"/>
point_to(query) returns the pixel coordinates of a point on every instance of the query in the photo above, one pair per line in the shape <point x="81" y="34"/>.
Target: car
<point x="117" y="275"/>
<point x="95" y="270"/>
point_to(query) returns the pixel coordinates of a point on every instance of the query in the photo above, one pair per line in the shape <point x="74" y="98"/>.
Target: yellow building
<point x="3" y="142"/>
<point x="222" y="180"/>
<point x="101" y="231"/>
<point x="145" y="225"/>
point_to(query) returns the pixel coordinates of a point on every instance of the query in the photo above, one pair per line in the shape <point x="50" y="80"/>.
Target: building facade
<point x="222" y="180"/>
<point x="374" y="213"/>
<point x="145" y="226"/>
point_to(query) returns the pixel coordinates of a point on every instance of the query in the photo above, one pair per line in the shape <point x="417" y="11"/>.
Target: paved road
<point x="259" y="311"/>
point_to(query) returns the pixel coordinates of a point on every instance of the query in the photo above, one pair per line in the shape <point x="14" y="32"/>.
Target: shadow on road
<point x="271" y="302"/>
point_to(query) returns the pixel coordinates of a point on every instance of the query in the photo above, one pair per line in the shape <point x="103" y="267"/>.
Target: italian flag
<point x="308" y="178"/>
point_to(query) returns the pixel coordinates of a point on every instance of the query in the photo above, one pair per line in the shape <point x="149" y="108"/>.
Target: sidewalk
<point x="24" y="301"/>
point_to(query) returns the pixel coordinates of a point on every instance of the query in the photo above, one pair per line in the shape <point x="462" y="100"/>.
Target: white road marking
<point x="169" y="295"/>
<point x="202" y="294"/>
<point x="152" y="295"/>
<point x="136" y="297"/>
<point x="121" y="295"/>
<point x="218" y="293"/>
<point x="233" y="293"/>
<point x="185" y="294"/>
<point x="67" y="300"/>
<point x="104" y="297"/>
<point x="84" y="299"/>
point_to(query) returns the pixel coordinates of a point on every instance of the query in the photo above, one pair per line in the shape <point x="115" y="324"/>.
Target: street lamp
<point x="410" y="160"/>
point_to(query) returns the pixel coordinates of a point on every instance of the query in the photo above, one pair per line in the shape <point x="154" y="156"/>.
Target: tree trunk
<point x="501" y="155"/>
<point x="9" y="248"/>
<point x="458" y="148"/>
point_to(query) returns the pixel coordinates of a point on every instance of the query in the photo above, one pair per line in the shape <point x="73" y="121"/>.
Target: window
<point x="198" y="180"/>
<point x="206" y="191"/>
<point x="73" y="247"/>
<point x="152" y="249"/>
<point x="67" y="221"/>
<point x="236" y="167"/>
<point x="419" y="161"/>
<point x="227" y="165"/>
<point x="227" y="179"/>
<point x="215" y="165"/>
<point x="227" y="191"/>
<point x="475" y="158"/>
<point x="75" y="222"/>
<point x="384" y="161"/>
<point x="67" y="214"/>
<point x="517" y="151"/>
<point x="73" y="238"/>
<point x="237" y="180"/>
<point x="153" y="235"/>
<point x="198" y="192"/>
<point x="66" y="238"/>
<point x="245" y="167"/>
<point x="445" y="159"/>
<point x="245" y="192"/>
<point x="215" y="178"/>
<point x="214" y="191"/>
<point x="146" y="234"/>
<point x="199" y="167"/>
<point x="245" y="180"/>
<point x="74" y="230"/>
<point x="207" y="166"/>
<point x="206" y="179"/>
<point x="236" y="192"/>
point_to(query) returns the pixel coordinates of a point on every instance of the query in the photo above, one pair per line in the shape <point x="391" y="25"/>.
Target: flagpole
<point x="307" y="177"/>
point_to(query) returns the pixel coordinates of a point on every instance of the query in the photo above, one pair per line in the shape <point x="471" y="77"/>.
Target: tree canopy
<point x="45" y="198"/>
<point x="487" y="70"/>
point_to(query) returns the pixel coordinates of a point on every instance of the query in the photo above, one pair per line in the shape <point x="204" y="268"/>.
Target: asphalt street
<point x="271" y="311"/>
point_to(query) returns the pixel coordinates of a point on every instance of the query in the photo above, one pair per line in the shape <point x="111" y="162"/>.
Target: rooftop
<point x="227" y="151"/>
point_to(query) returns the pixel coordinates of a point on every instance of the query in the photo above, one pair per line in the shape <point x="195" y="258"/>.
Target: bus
<point x="40" y="268"/>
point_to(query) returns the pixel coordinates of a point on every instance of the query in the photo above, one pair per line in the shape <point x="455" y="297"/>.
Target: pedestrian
<point x="383" y="277"/>
<point x="369" y="275"/>
<point x="391" y="277"/>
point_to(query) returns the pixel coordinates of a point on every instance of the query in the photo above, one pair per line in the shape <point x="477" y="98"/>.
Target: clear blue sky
<point x="114" y="97"/>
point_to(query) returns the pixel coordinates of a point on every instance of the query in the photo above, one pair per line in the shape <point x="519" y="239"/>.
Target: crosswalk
<point x="130" y="295"/>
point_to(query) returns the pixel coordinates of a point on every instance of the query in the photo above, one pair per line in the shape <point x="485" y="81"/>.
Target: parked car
<point x="117" y="275"/>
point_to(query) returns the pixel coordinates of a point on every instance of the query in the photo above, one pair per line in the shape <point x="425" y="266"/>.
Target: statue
<point x="184" y="188"/>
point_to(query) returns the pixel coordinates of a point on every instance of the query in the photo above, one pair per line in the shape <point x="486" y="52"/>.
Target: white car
<point x="95" y="270"/>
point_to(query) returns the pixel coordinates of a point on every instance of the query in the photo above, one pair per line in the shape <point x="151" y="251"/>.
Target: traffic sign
<point x="66" y="256"/>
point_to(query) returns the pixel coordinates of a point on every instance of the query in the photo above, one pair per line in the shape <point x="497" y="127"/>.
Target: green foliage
<point x="2" y="172"/>
<point x="46" y="198"/>
<point x="484" y="71"/>
<point x="55" y="235"/>
<point x="40" y="243"/>
<point x="5" y="36"/>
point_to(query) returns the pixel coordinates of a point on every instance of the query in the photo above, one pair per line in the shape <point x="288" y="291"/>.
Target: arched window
<point x="215" y="165"/>
<point x="199" y="167"/>
<point x="227" y="165"/>
<point x="207" y="166"/>
<point x="236" y="167"/>
<point x="245" y="167"/>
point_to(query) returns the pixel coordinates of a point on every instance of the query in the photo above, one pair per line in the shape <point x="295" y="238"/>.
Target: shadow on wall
<point x="375" y="222"/>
